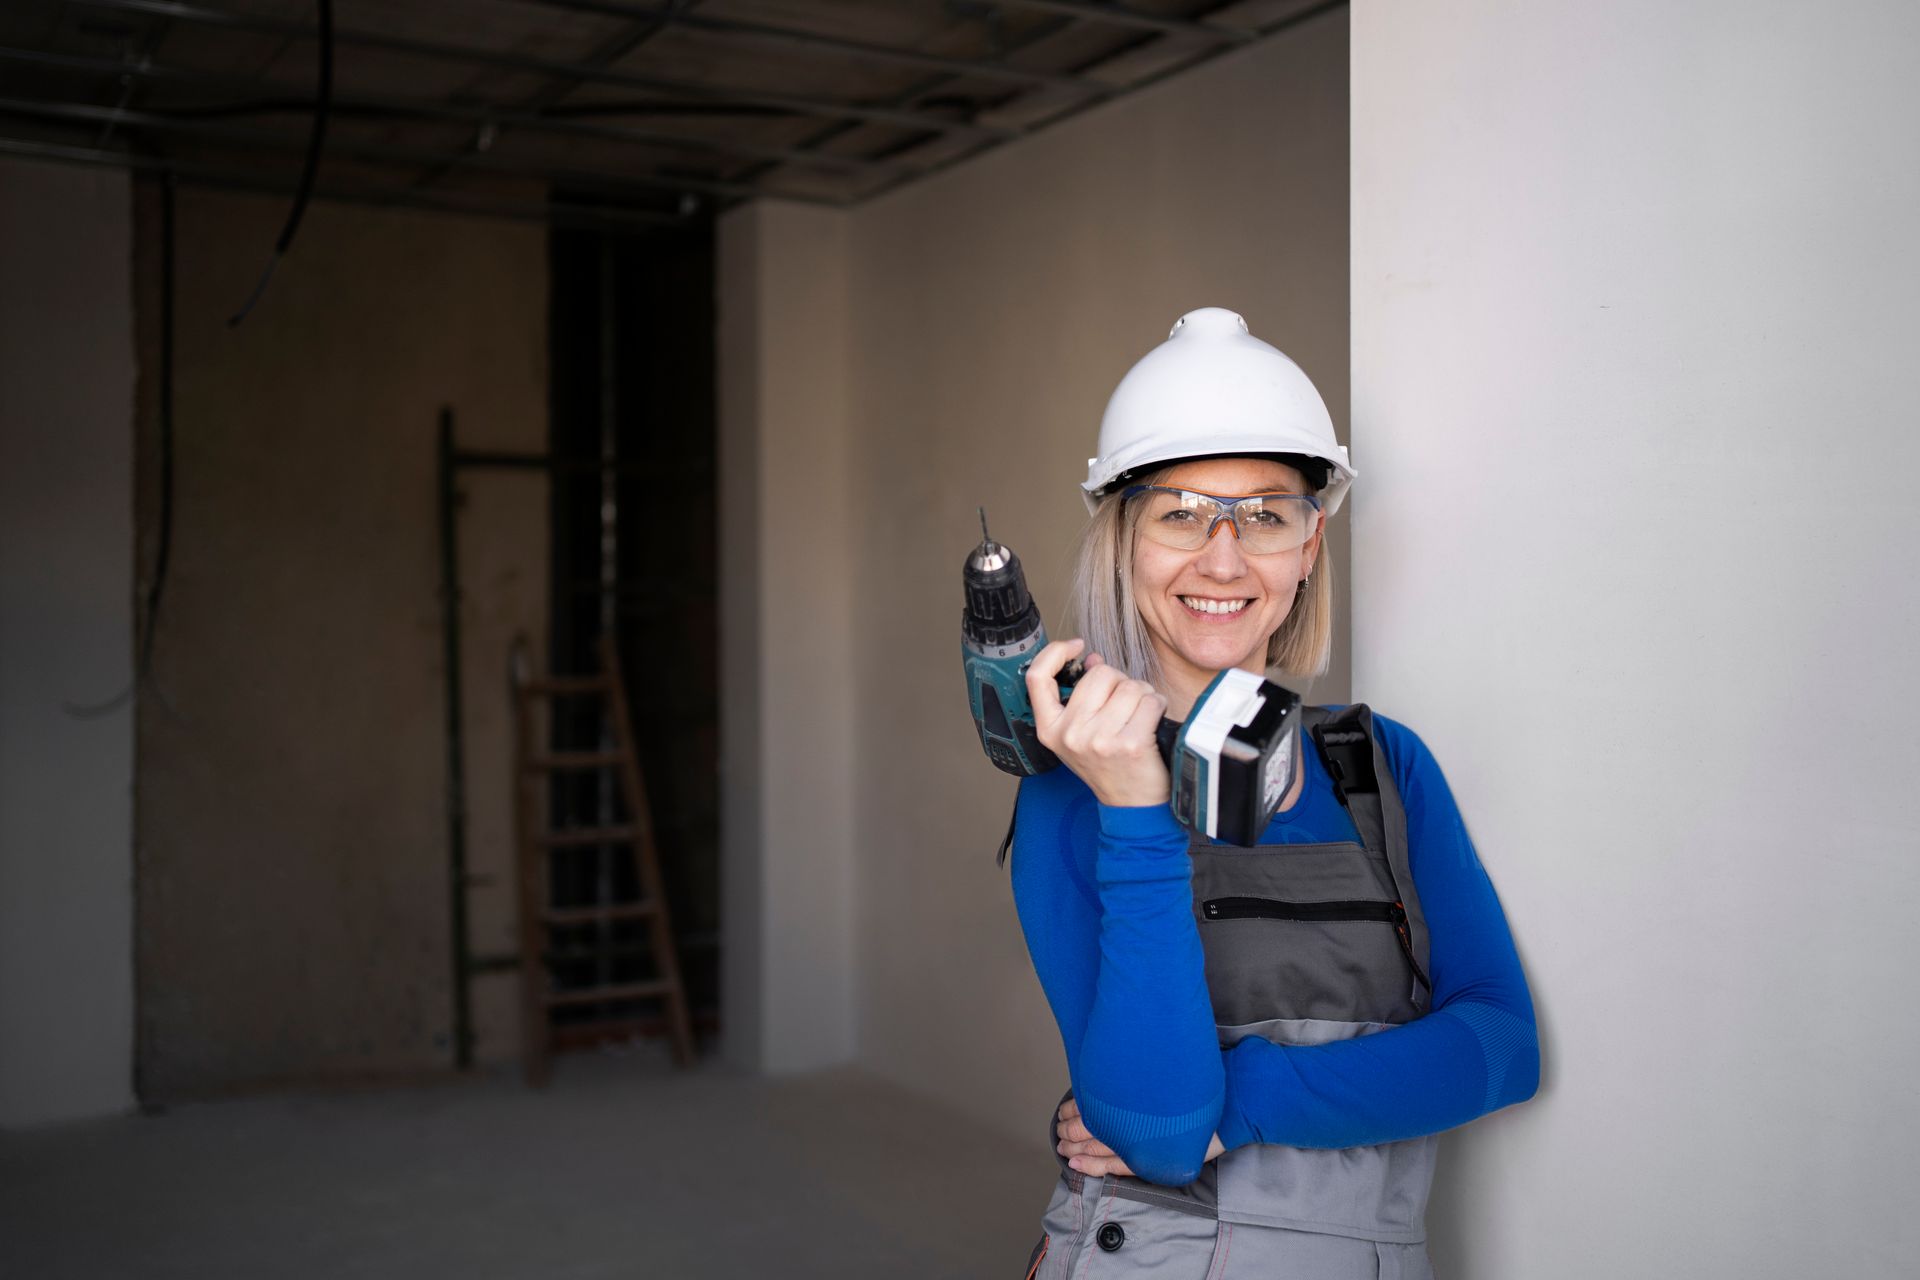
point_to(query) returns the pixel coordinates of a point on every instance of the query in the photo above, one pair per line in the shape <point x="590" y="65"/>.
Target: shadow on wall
<point x="1462" y="1240"/>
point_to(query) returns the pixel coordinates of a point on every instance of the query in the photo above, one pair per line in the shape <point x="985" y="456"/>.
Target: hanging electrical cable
<point x="322" y="108"/>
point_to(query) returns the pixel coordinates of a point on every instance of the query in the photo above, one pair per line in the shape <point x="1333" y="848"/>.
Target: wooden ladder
<point x="534" y="768"/>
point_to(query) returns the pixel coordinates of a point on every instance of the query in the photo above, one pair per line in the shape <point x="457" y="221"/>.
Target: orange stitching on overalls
<point x="1226" y="1247"/>
<point x="1108" y="1213"/>
<point x="1034" y="1270"/>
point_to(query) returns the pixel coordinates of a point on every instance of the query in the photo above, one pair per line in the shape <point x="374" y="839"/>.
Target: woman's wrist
<point x="1151" y="821"/>
<point x="1141" y="795"/>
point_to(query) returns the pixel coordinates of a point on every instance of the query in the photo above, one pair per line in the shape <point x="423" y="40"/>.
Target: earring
<point x="1303" y="583"/>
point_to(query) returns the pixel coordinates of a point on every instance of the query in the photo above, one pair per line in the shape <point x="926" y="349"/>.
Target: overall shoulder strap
<point x="1363" y="780"/>
<point x="1006" y="841"/>
<point x="1348" y="750"/>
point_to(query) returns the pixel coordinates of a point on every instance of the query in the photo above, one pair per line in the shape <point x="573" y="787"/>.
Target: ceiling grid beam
<point x="873" y="135"/>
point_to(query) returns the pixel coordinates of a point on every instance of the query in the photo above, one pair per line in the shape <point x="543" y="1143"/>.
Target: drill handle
<point x="1167" y="735"/>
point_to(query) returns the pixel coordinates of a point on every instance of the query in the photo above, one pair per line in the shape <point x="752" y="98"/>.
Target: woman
<point x="1263" y="1041"/>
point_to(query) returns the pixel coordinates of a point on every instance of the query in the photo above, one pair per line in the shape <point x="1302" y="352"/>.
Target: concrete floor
<point x="622" y="1168"/>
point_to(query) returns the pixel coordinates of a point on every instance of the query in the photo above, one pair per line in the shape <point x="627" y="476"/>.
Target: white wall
<point x="66" y="636"/>
<point x="1633" y="333"/>
<point x="788" y="651"/>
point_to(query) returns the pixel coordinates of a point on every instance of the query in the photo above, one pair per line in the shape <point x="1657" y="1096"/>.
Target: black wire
<point x="322" y="108"/>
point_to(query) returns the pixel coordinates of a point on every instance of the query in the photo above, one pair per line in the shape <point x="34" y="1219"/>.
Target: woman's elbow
<point x="1525" y="1072"/>
<point x="1172" y="1161"/>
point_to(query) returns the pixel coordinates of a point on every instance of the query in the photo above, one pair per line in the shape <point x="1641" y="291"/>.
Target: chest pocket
<point x="1296" y="933"/>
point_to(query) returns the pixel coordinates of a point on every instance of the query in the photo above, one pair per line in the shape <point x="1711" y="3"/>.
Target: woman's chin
<point x="1214" y="653"/>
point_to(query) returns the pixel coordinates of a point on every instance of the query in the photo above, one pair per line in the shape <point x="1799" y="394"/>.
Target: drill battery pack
<point x="1234" y="759"/>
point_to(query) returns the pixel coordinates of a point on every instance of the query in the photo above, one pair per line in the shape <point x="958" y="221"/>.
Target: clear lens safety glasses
<point x="1184" y="519"/>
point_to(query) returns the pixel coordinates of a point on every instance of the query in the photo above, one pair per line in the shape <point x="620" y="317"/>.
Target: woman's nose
<point x="1221" y="558"/>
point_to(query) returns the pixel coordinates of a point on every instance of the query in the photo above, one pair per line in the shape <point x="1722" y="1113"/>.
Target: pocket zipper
<point x="1392" y="913"/>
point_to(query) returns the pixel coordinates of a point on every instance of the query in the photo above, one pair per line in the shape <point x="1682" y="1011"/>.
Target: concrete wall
<point x="1632" y="349"/>
<point x="789" y="650"/>
<point x="949" y="346"/>
<point x="293" y="915"/>
<point x="66" y="638"/>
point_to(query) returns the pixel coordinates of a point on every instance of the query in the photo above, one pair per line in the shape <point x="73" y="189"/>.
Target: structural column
<point x="787" y="648"/>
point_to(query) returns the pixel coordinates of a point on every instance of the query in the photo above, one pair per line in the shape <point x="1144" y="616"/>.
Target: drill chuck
<point x="1000" y="631"/>
<point x="1000" y="610"/>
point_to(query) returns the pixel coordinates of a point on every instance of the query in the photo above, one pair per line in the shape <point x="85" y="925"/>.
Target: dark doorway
<point x="635" y="552"/>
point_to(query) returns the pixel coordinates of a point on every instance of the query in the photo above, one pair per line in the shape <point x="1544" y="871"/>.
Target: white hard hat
<point x="1213" y="388"/>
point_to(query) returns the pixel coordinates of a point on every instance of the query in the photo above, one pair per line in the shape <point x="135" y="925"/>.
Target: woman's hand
<point x="1105" y="731"/>
<point x="1089" y="1155"/>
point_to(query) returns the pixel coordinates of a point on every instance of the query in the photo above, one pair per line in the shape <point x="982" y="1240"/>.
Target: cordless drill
<point x="1231" y="763"/>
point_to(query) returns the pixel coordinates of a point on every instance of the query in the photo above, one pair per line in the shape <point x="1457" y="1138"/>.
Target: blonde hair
<point x="1101" y="605"/>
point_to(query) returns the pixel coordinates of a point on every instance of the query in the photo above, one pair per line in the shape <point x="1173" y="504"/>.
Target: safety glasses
<point x="1184" y="519"/>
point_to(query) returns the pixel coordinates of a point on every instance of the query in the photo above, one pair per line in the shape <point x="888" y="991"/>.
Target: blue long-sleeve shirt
<point x="1105" y="900"/>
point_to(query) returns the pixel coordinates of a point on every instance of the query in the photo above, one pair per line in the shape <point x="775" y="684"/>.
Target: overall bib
<point x="1304" y="944"/>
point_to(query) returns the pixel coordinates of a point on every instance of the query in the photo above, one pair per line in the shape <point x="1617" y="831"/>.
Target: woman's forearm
<point x="1105" y="899"/>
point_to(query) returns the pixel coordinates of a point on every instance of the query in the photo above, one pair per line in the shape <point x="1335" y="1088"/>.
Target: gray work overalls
<point x="1304" y="944"/>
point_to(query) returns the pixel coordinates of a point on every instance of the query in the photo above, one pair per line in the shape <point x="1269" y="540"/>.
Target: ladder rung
<point x="582" y="955"/>
<point x="618" y="991"/>
<point x="594" y="915"/>
<point x="573" y="760"/>
<point x="553" y="686"/>
<point x="586" y="835"/>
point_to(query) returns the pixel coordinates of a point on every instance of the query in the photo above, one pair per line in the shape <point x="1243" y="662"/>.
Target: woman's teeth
<point x="1202" y="605"/>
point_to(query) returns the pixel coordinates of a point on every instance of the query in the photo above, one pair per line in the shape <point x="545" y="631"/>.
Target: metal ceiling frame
<point x="532" y="112"/>
<point x="838" y="45"/>
<point x="431" y="109"/>
<point x="922" y="89"/>
<point x="1307" y="12"/>
<point x="556" y="212"/>
<point x="474" y="56"/>
<point x="378" y="152"/>
<point x="1119" y="14"/>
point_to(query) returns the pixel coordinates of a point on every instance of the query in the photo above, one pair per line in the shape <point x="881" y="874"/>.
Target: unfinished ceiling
<point x="596" y="111"/>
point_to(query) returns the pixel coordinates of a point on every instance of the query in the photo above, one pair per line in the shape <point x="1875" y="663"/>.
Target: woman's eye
<point x="1179" y="515"/>
<point x="1265" y="519"/>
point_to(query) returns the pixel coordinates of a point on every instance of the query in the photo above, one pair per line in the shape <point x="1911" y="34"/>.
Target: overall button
<point x="1111" y="1236"/>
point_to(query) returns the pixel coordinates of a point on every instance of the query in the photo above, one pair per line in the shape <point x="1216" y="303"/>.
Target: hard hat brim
<point x="1104" y="473"/>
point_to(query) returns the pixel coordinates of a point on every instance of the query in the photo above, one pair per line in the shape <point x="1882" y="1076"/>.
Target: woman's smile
<point x="1213" y="609"/>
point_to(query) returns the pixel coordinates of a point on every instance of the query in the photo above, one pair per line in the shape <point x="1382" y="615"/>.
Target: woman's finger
<point x="1100" y="1167"/>
<point x="1120" y="728"/>
<point x="1098" y="727"/>
<point x="1043" y="687"/>
<point x="1086" y="1146"/>
<point x="1069" y="728"/>
<point x="1147" y="714"/>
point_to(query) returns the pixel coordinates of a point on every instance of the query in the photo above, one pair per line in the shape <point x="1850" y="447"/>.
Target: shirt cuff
<point x="1235" y="1130"/>
<point x="1141" y="822"/>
